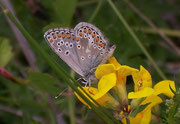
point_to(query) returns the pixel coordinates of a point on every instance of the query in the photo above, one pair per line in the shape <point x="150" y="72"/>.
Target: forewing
<point x="63" y="43"/>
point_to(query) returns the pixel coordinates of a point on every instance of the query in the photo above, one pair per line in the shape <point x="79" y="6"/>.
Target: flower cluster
<point x="113" y="76"/>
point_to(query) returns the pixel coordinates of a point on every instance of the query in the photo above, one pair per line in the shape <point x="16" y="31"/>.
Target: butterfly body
<point x="82" y="48"/>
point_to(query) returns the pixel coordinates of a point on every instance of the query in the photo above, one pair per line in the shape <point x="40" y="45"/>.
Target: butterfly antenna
<point x="57" y="96"/>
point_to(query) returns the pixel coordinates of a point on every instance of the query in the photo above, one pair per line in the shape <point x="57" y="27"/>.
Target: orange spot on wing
<point x="50" y="40"/>
<point x="89" y="31"/>
<point x="73" y="37"/>
<point x="93" y="35"/>
<point x="54" y="37"/>
<point x="102" y="45"/>
<point x="97" y="39"/>
<point x="68" y="35"/>
<point x="80" y="34"/>
<point x="77" y="38"/>
<point x="58" y="35"/>
<point x="85" y="30"/>
<point x="63" y="35"/>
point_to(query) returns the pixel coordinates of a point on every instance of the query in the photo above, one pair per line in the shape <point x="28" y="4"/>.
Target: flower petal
<point x="113" y="61"/>
<point x="90" y="90"/>
<point x="163" y="87"/>
<point x="104" y="69"/>
<point x="108" y="101"/>
<point x="105" y="84"/>
<point x="146" y="117"/>
<point x="141" y="79"/>
<point x="125" y="70"/>
<point x="142" y="93"/>
<point x="153" y="100"/>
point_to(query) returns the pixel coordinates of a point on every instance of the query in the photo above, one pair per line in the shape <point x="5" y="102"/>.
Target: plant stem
<point x="96" y="11"/>
<point x="136" y="39"/>
<point x="169" y="32"/>
<point x="71" y="103"/>
<point x="127" y="121"/>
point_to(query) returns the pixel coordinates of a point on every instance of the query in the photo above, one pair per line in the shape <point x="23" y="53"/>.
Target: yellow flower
<point x="144" y="117"/>
<point x="113" y="76"/>
<point x="143" y="83"/>
<point x="142" y="87"/>
<point x="163" y="87"/>
<point x="142" y="93"/>
<point x="121" y="72"/>
<point x="141" y="79"/>
<point x="101" y="94"/>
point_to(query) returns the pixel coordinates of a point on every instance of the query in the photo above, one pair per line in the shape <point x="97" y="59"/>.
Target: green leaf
<point x="5" y="52"/>
<point x="43" y="82"/>
<point x="138" y="109"/>
<point x="65" y="9"/>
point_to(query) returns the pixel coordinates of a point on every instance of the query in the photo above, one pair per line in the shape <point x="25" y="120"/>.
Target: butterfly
<point x="82" y="48"/>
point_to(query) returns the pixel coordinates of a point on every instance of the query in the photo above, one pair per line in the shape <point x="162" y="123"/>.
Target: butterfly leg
<point x="79" y="79"/>
<point x="61" y="93"/>
<point x="93" y="70"/>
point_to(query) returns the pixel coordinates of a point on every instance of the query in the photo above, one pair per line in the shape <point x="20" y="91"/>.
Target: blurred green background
<point x="34" y="101"/>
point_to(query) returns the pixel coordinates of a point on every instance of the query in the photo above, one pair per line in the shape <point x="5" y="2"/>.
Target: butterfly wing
<point x="63" y="43"/>
<point x="93" y="48"/>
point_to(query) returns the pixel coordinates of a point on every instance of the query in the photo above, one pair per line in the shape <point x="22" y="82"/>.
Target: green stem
<point x="169" y="32"/>
<point x="136" y="39"/>
<point x="127" y="121"/>
<point x="58" y="69"/>
<point x="71" y="103"/>
<point x="96" y="11"/>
